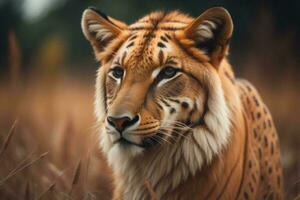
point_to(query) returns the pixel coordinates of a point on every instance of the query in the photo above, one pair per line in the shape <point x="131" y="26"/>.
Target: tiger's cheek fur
<point x="100" y="96"/>
<point x="111" y="87"/>
<point x="182" y="100"/>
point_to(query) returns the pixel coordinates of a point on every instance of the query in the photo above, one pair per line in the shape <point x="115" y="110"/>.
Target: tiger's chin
<point x="124" y="149"/>
<point x="128" y="148"/>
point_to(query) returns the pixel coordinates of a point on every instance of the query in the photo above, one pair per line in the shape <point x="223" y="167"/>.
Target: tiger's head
<point x="158" y="82"/>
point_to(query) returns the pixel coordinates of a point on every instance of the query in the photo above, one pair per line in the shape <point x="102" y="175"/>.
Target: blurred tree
<point x="64" y="20"/>
<point x="9" y="17"/>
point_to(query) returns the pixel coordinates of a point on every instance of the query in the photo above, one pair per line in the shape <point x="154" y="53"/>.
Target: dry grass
<point x="54" y="117"/>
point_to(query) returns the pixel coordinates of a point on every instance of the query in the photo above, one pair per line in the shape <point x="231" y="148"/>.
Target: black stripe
<point x="140" y="55"/>
<point x="166" y="103"/>
<point x="161" y="57"/>
<point x="174" y="100"/>
<point x="132" y="38"/>
<point x="123" y="58"/>
<point x="161" y="45"/>
<point x="130" y="45"/>
<point x="168" y="36"/>
<point x="163" y="39"/>
<point x="181" y="46"/>
<point x="172" y="110"/>
<point x="159" y="106"/>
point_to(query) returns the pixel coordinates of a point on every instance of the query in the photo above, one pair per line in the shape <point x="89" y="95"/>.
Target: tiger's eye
<point x="118" y="72"/>
<point x="169" y="72"/>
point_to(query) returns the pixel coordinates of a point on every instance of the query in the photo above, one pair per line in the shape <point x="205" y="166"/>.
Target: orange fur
<point x="196" y="131"/>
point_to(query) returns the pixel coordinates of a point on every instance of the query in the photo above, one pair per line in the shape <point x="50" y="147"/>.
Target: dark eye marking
<point x="161" y="45"/>
<point x="130" y="45"/>
<point x="163" y="39"/>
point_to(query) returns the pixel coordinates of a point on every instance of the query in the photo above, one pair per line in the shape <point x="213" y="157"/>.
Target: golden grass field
<point x="48" y="137"/>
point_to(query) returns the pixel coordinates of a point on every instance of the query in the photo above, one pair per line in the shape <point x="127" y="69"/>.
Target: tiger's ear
<point x="100" y="29"/>
<point x="211" y="32"/>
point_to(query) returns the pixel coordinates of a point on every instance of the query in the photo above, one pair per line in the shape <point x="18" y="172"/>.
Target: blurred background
<point x="48" y="145"/>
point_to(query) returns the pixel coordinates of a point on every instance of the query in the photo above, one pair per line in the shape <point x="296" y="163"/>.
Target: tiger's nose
<point x="122" y="123"/>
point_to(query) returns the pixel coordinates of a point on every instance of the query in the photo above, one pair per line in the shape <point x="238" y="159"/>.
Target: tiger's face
<point x="154" y="100"/>
<point x="154" y="85"/>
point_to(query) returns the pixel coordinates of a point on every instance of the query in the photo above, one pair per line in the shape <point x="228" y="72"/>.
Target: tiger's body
<point x="172" y="113"/>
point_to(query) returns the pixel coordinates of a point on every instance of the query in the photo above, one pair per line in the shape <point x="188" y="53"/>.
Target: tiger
<point x="171" y="113"/>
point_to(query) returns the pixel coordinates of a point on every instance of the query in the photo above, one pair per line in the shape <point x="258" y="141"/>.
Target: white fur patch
<point x="205" y="30"/>
<point x="167" y="80"/>
<point x="101" y="32"/>
<point x="155" y="73"/>
<point x="93" y="28"/>
<point x="99" y="102"/>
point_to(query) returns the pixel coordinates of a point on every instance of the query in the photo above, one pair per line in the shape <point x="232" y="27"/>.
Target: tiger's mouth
<point x="161" y="136"/>
<point x="146" y="142"/>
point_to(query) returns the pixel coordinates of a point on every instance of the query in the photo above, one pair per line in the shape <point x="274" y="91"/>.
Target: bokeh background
<point x="48" y="145"/>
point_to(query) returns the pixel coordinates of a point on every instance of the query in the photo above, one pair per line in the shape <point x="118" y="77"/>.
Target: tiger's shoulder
<point x="263" y="174"/>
